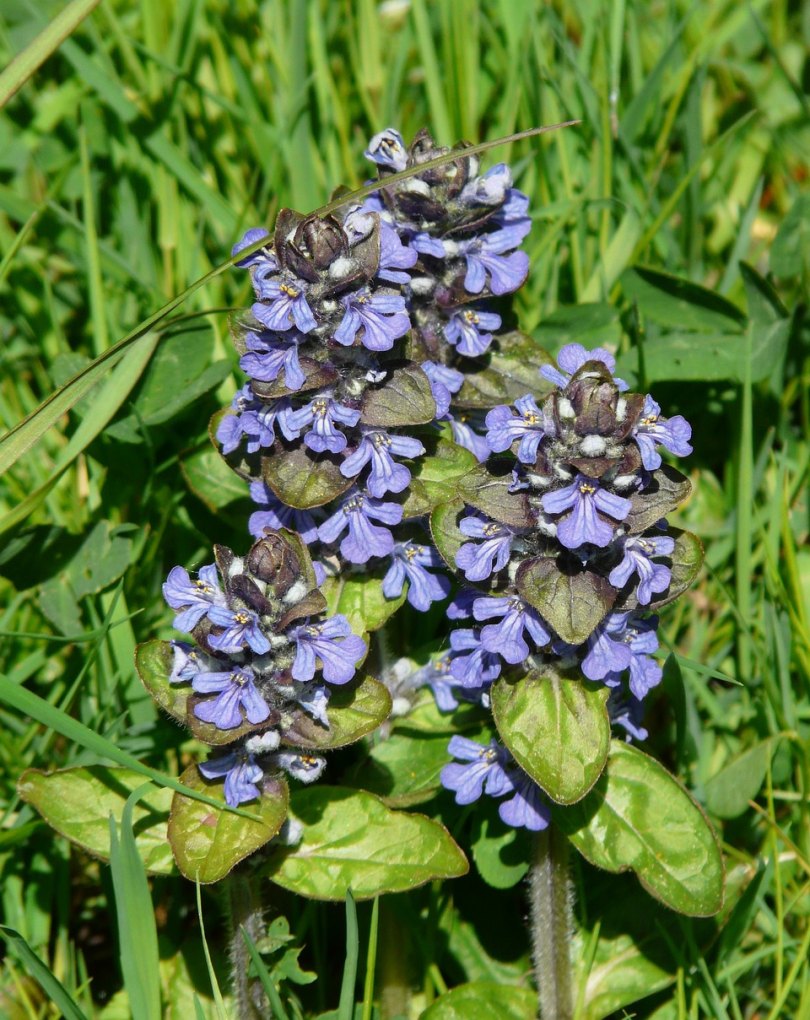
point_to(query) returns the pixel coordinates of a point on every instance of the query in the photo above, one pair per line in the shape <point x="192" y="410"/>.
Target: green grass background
<point x="132" y="159"/>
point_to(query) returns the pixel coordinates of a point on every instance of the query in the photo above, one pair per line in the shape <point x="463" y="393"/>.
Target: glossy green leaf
<point x="501" y="854"/>
<point x="361" y="601"/>
<point x="354" y="710"/>
<point x="557" y="729"/>
<point x="572" y="599"/>
<point x="739" y="781"/>
<point x="351" y="840"/>
<point x="511" y="369"/>
<point x="489" y="493"/>
<point x="208" y="843"/>
<point x="435" y="477"/>
<point x="666" y="491"/>
<point x="639" y="818"/>
<point x="484" y="999"/>
<point x="445" y="532"/>
<point x="212" y="481"/>
<point x="685" y="562"/>
<point x="77" y="802"/>
<point x="303" y="479"/>
<point x="403" y="399"/>
<point x="679" y="303"/>
<point x="153" y="661"/>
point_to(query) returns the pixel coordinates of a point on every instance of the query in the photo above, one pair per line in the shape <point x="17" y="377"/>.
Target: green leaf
<point x="481" y="999"/>
<point x="53" y="988"/>
<point x="207" y="843"/>
<point x="102" y="558"/>
<point x="211" y="479"/>
<point x="501" y="857"/>
<point x="153" y="661"/>
<point x="676" y="302"/>
<point x="303" y="479"/>
<point x="570" y="598"/>
<point x="558" y="730"/>
<point x="592" y="325"/>
<point x="729" y="790"/>
<point x="790" y="252"/>
<point x="666" y="491"/>
<point x="351" y="840"/>
<point x="445" y="532"/>
<point x="512" y="369"/>
<point x="361" y="601"/>
<point x="354" y="710"/>
<point x="434" y="478"/>
<point x="489" y="493"/>
<point x="78" y="802"/>
<point x="639" y="818"/>
<point x="686" y="561"/>
<point x="404" y="399"/>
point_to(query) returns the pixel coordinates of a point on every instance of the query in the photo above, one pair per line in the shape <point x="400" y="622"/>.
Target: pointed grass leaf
<point x="557" y="729"/>
<point x="53" y="988"/>
<point x="489" y="493"/>
<point x="208" y="843"/>
<point x="303" y="479"/>
<point x="353" y="710"/>
<point x="361" y="601"/>
<point x="685" y="563"/>
<point x="667" y="490"/>
<point x="153" y="661"/>
<point x="481" y="999"/>
<point x="790" y="253"/>
<point x="404" y="399"/>
<point x="639" y="818"/>
<point x="78" y="802"/>
<point x="679" y="303"/>
<point x="511" y="370"/>
<point x="351" y="840"/>
<point x="572" y="599"/>
<point x="445" y="532"/>
<point x="729" y="790"/>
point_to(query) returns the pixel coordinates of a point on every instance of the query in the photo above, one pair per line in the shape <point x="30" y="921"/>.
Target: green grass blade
<point x="346" y="1005"/>
<point x="137" y="934"/>
<point x="371" y="960"/>
<point x="52" y="986"/>
<point x="279" y="1012"/>
<point x="50" y="39"/>
<point x="212" y="975"/>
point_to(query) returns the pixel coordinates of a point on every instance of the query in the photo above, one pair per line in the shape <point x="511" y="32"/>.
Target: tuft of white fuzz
<point x="422" y="285"/>
<point x="400" y="707"/>
<point x="263" y="743"/>
<point x="593" y="446"/>
<point x="565" y="408"/>
<point x="621" y="409"/>
<point x="297" y="592"/>
<point x="341" y="266"/>
<point x="625" y="482"/>
<point x="415" y="185"/>
<point x="237" y="567"/>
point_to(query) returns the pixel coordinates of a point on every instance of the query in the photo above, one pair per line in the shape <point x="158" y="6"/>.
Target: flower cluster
<point x="465" y="230"/>
<point x="263" y="657"/>
<point x="568" y="552"/>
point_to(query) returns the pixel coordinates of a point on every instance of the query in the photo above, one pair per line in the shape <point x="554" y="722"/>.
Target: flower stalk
<point x="551" y="924"/>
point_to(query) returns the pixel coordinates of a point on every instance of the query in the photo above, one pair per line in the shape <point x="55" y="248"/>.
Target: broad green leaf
<point x="102" y="558"/>
<point x="489" y="493"/>
<point x="153" y="660"/>
<point x="207" y="843"/>
<point x="351" y="840"/>
<point x="557" y="729"/>
<point x="639" y="818"/>
<point x="435" y="477"/>
<point x="790" y="252"/>
<point x="212" y="481"/>
<point x="77" y="802"/>
<point x="729" y="790"/>
<point x="501" y="854"/>
<point x="572" y="599"/>
<point x="626" y="968"/>
<point x="685" y="561"/>
<point x="511" y="369"/>
<point x="404" y="399"/>
<point x="764" y="304"/>
<point x="354" y="710"/>
<point x="303" y="479"/>
<point x="681" y="304"/>
<point x="445" y="532"/>
<point x="666" y="491"/>
<point x="484" y="999"/>
<point x="361" y="601"/>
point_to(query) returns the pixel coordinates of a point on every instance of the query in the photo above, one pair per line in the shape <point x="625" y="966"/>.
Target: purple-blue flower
<point x="478" y="560"/>
<point x="530" y="425"/>
<point x="627" y="711"/>
<point x="387" y="149"/>
<point x="485" y="256"/>
<point x="261" y="257"/>
<point x="507" y="637"/>
<point x="188" y="661"/>
<point x="671" y="433"/>
<point x="378" y="447"/>
<point x="194" y="599"/>
<point x="255" y="420"/>
<point x="444" y="382"/>
<point x="586" y="500"/>
<point x="437" y="676"/>
<point x="394" y="256"/>
<point x="638" y="551"/>
<point x="572" y="357"/>
<point x="483" y="772"/>
<point x="488" y="189"/>
<point x="237" y="691"/>
<point x="278" y="515"/>
<point x="466" y="331"/>
<point x="526" y="809"/>
<point x="606" y="650"/>
<point x="409" y="560"/>
<point x="333" y="643"/>
<point x="306" y="768"/>
<point x="465" y="436"/>
<point x="314" y="699"/>
<point x="382" y="318"/>
<point x="461" y="605"/>
<point x="241" y="775"/>
<point x="426" y="244"/>
<point x="321" y="414"/>
<point x="471" y="664"/>
<point x="239" y="628"/>
<point x="288" y="306"/>
<point x="364" y="539"/>
<point x="639" y="636"/>
<point x="268" y="355"/>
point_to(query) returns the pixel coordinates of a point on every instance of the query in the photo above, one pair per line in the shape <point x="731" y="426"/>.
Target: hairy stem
<point x="550" y="898"/>
<point x="244" y="910"/>
<point x="393" y="983"/>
